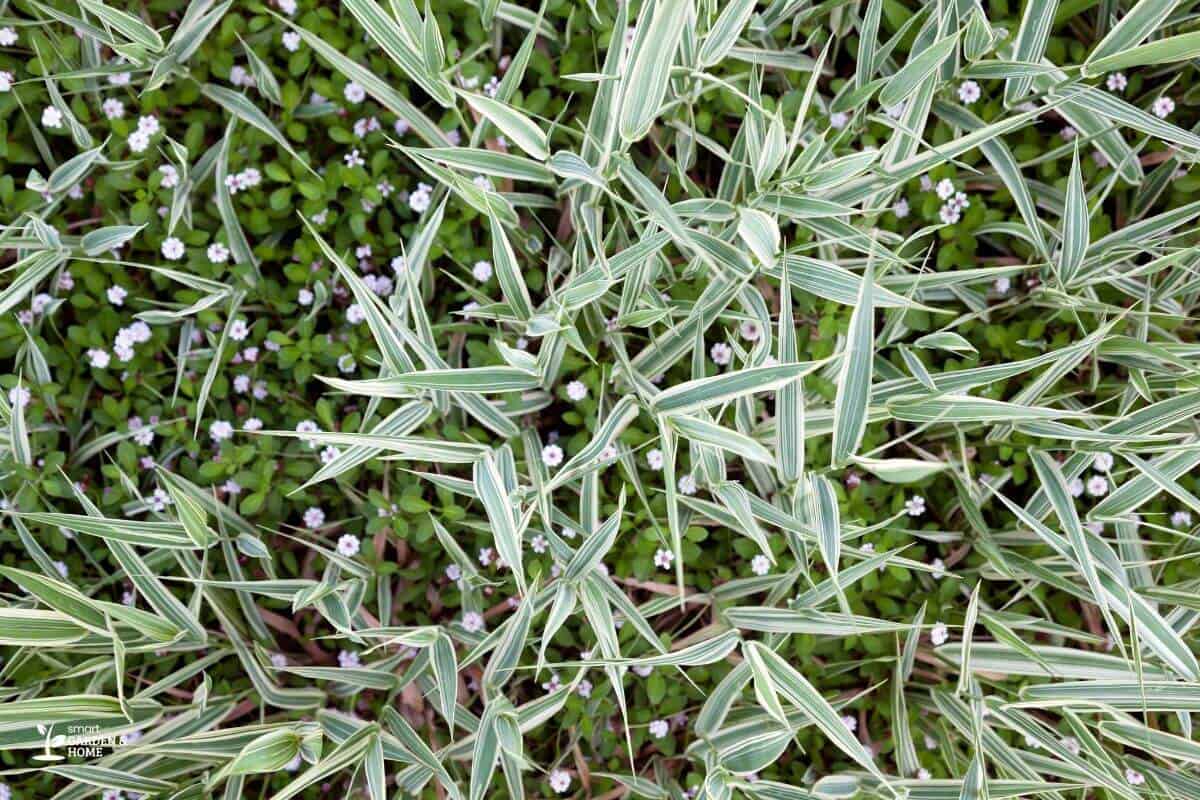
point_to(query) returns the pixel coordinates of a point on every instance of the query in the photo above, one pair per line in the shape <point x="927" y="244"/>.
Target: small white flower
<point x="304" y="297"/>
<point x="1071" y="745"/>
<point x="939" y="569"/>
<point x="552" y="455"/>
<point x="314" y="517"/>
<point x="539" y="544"/>
<point x="354" y="93"/>
<point x="160" y="499"/>
<point x="170" y="176"/>
<point x="654" y="460"/>
<point x="454" y="572"/>
<point x="253" y="424"/>
<point x="220" y="430"/>
<point x="217" y="253"/>
<point x="1075" y="487"/>
<point x="364" y="126"/>
<point x="1162" y="107"/>
<point x="663" y="558"/>
<point x="687" y="485"/>
<point x="721" y="354"/>
<point x="940" y="634"/>
<point x="291" y="41"/>
<point x="61" y="567"/>
<point x="116" y="294"/>
<point x="1001" y="286"/>
<point x="968" y="92"/>
<point x="1116" y="82"/>
<point x="472" y="622"/>
<point x="838" y="120"/>
<point x="348" y="545"/>
<point x="900" y="208"/>
<point x="482" y="271"/>
<point x="238" y="76"/>
<point x="584" y="689"/>
<point x="760" y="565"/>
<point x="1181" y="519"/>
<point x="945" y="188"/>
<point x="659" y="728"/>
<point x="113" y="108"/>
<point x="1103" y="462"/>
<point x="346" y="363"/>
<point x="238" y="330"/>
<point x="1134" y="778"/>
<point x="749" y="331"/>
<point x="99" y="359"/>
<point x="1097" y="486"/>
<point x="148" y="124"/>
<point x="143" y="436"/>
<point x="924" y="774"/>
<point x="567" y="533"/>
<point x="576" y="391"/>
<point x="172" y="248"/>
<point x="850" y="722"/>
<point x="8" y="37"/>
<point x="355" y="314"/>
<point x="51" y="117"/>
<point x="348" y="659"/>
<point x="287" y="6"/>
<point x="249" y="178"/>
<point x="949" y="215"/>
<point x="353" y="159"/>
<point x="308" y="426"/>
<point x="486" y="556"/>
<point x="560" y="780"/>
<point x="1068" y="133"/>
<point x="420" y="200"/>
<point x="915" y="506"/>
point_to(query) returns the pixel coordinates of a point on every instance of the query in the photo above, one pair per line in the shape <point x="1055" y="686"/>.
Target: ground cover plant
<point x="684" y="399"/>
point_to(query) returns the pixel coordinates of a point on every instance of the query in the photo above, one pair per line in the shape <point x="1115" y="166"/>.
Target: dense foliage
<point x="693" y="399"/>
